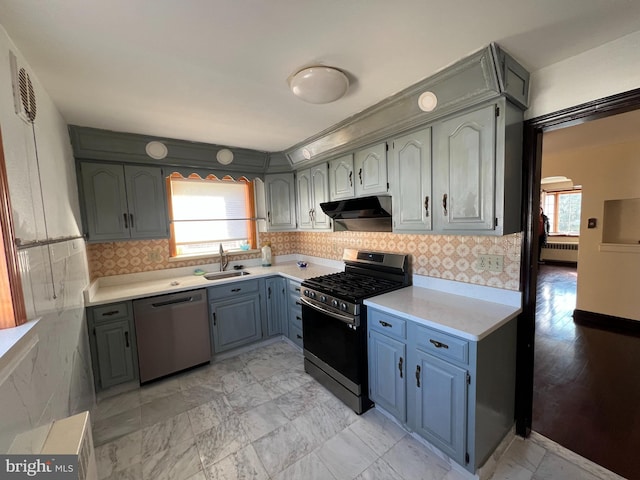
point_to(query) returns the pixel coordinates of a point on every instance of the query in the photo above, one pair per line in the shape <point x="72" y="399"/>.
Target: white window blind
<point x="207" y="213"/>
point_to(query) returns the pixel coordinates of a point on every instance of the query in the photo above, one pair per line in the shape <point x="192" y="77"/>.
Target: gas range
<point x="334" y="321"/>
<point x="344" y="292"/>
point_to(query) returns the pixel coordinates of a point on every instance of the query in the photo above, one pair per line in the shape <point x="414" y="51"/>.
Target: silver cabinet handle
<point x="385" y="324"/>
<point x="131" y="219"/>
<point x="126" y="221"/>
<point x="351" y="178"/>
<point x="360" y="175"/>
<point x="400" y="366"/>
<point x="426" y="205"/>
<point x="444" y="203"/>
<point x="236" y="289"/>
<point x="269" y="216"/>
<point x="418" y="376"/>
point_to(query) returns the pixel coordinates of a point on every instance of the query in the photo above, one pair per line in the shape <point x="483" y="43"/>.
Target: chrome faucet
<point x="224" y="261"/>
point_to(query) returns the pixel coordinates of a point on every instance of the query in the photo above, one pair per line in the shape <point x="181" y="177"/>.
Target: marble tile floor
<point x="259" y="416"/>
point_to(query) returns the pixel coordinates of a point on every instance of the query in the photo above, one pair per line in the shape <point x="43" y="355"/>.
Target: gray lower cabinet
<point x="455" y="393"/>
<point x="439" y="400"/>
<point x="295" y="313"/>
<point x="113" y="344"/>
<point x="122" y="202"/>
<point x="387" y="374"/>
<point x="276" y="295"/>
<point x="234" y="310"/>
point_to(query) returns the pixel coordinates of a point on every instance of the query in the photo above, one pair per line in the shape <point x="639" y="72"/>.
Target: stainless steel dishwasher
<point x="172" y="333"/>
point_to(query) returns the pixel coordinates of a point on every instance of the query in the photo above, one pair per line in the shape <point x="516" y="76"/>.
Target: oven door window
<point x="333" y="342"/>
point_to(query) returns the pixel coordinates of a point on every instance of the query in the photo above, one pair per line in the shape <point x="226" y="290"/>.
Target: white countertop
<point x="132" y="286"/>
<point x="458" y="315"/>
<point x="458" y="308"/>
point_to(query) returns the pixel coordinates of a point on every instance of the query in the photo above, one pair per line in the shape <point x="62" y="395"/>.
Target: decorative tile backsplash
<point x="451" y="257"/>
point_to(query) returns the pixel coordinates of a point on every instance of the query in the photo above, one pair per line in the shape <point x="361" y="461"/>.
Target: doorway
<point x="600" y="353"/>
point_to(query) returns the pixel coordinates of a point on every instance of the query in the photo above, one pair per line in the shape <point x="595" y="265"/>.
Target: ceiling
<point x="615" y="129"/>
<point x="216" y="71"/>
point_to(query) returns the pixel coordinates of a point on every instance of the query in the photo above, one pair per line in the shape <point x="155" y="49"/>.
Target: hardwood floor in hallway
<point x="586" y="380"/>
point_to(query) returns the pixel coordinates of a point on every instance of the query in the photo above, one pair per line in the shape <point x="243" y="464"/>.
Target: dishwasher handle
<point x="173" y="302"/>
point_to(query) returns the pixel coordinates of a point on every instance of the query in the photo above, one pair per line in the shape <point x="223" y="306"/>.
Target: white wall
<point x="53" y="379"/>
<point x="607" y="281"/>
<point x="603" y="71"/>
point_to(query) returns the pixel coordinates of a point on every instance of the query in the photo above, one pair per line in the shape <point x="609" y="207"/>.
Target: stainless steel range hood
<point x="365" y="214"/>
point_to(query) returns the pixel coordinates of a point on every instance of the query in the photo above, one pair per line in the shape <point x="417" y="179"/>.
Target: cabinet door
<point x="387" y="374"/>
<point x="439" y="403"/>
<point x="105" y="201"/>
<point x="464" y="170"/>
<point x="147" y="201"/>
<point x="304" y="196"/>
<point x="276" y="305"/>
<point x="410" y="172"/>
<point x="341" y="179"/>
<point x="370" y="170"/>
<point x="114" y="353"/>
<point x="320" y="194"/>
<point x="281" y="210"/>
<point x="235" y="322"/>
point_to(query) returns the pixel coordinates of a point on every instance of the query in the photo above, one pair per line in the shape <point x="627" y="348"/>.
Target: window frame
<point x="250" y="212"/>
<point x="553" y="220"/>
<point x="12" y="308"/>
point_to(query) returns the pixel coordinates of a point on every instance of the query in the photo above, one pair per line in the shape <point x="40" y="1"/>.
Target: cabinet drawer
<point x="294" y="287"/>
<point x="113" y="311"/>
<point x="441" y="344"/>
<point x="294" y="301"/>
<point x="229" y="289"/>
<point x="388" y="324"/>
<point x="295" y="334"/>
<point x="295" y="316"/>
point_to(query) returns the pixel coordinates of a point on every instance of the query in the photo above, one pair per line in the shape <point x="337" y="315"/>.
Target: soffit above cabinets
<point x="481" y="76"/>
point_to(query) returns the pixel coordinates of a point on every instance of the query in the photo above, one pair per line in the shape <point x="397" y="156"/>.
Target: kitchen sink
<point x="221" y="275"/>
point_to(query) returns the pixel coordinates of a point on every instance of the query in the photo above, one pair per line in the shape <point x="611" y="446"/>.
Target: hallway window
<point x="563" y="210"/>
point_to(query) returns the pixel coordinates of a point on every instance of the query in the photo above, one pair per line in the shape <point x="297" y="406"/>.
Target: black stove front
<point x="334" y="321"/>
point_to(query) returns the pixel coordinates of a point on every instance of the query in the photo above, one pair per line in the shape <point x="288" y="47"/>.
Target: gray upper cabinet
<point x="341" y="179"/>
<point x="370" y="170"/>
<point x="477" y="160"/>
<point x="281" y="210"/>
<point x="410" y="185"/>
<point x="464" y="176"/>
<point x="312" y="190"/>
<point x="123" y="201"/>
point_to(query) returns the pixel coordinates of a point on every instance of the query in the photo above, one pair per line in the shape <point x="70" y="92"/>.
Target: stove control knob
<point x="306" y="293"/>
<point x="334" y="303"/>
<point x="312" y="294"/>
<point x="323" y="298"/>
<point x="343" y="306"/>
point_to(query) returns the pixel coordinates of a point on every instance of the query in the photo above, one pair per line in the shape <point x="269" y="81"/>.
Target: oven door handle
<point x="343" y="318"/>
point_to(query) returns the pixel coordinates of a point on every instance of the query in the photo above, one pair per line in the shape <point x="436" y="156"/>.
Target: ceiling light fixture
<point x="319" y="84"/>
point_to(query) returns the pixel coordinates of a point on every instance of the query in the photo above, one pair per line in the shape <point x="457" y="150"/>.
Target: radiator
<point x="560" y="252"/>
<point x="72" y="436"/>
<point x="561" y="246"/>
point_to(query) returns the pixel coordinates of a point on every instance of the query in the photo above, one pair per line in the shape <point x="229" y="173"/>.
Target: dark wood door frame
<point x="532" y="168"/>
